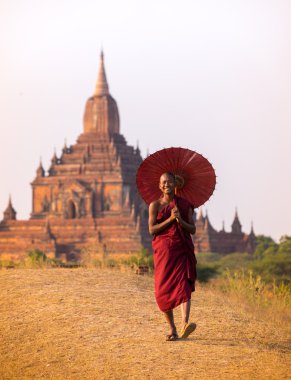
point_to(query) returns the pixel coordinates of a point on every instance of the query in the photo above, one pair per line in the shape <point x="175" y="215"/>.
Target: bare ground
<point x="104" y="324"/>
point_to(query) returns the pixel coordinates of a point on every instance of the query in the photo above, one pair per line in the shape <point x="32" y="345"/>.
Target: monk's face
<point x="167" y="184"/>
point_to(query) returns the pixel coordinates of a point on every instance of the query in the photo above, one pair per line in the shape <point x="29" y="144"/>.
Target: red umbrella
<point x="195" y="176"/>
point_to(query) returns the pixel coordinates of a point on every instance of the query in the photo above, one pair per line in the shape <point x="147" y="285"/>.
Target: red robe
<point x="174" y="259"/>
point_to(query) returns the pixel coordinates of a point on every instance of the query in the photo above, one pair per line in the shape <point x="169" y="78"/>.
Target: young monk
<point x="171" y="223"/>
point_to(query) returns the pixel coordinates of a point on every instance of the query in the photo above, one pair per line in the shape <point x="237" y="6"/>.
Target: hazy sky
<point x="210" y="75"/>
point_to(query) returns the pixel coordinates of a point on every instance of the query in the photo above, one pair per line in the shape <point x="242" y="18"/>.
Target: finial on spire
<point x="236" y="225"/>
<point x="9" y="213"/>
<point x="252" y="228"/>
<point x="101" y="85"/>
<point x="65" y="148"/>
<point x="54" y="159"/>
<point x="223" y="227"/>
<point x="137" y="150"/>
<point x="40" y="170"/>
<point x="200" y="215"/>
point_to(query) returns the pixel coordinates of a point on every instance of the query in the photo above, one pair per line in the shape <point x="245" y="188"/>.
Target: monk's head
<point x="167" y="183"/>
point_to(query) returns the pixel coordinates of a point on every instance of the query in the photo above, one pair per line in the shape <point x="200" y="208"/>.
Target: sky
<point x="212" y="76"/>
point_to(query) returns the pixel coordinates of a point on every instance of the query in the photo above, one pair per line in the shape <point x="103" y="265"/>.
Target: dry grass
<point x="256" y="296"/>
<point x="104" y="324"/>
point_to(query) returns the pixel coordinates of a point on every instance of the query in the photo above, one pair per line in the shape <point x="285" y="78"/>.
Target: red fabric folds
<point x="174" y="259"/>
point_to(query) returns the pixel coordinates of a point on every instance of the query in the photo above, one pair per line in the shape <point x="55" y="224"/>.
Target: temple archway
<point x="71" y="210"/>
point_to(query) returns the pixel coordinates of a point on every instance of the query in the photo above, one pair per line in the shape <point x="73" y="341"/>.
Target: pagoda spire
<point x="54" y="159"/>
<point x="102" y="87"/>
<point x="252" y="228"/>
<point x="236" y="214"/>
<point x="101" y="112"/>
<point x="207" y="224"/>
<point x="200" y="215"/>
<point x="223" y="226"/>
<point x="137" y="150"/>
<point x="65" y="148"/>
<point x="9" y="213"/>
<point x="40" y="170"/>
<point x="236" y="225"/>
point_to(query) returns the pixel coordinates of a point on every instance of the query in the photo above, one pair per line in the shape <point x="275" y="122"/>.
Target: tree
<point x="285" y="244"/>
<point x="265" y="244"/>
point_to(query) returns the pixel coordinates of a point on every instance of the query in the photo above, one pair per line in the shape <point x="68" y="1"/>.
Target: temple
<point x="88" y="201"/>
<point x="207" y="239"/>
<point x="88" y="198"/>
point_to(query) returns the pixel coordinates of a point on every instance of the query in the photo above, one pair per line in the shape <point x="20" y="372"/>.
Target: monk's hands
<point x="175" y="214"/>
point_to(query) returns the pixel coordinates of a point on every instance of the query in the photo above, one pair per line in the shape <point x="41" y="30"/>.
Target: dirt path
<point x="101" y="324"/>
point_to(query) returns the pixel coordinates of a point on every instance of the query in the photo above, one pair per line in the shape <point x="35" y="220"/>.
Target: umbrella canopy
<point x="195" y="176"/>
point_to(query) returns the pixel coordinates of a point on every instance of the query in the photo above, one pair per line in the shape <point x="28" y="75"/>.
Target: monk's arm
<point x="189" y="225"/>
<point x="154" y="227"/>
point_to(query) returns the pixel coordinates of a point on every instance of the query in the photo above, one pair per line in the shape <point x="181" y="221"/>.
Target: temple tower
<point x="236" y="225"/>
<point x="94" y="179"/>
<point x="101" y="112"/>
<point x="9" y="213"/>
<point x="95" y="175"/>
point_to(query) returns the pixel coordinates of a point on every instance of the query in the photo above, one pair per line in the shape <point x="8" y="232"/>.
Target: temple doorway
<point x="71" y="210"/>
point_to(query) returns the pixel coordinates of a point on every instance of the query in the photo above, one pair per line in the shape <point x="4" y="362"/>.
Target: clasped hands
<point x="175" y="214"/>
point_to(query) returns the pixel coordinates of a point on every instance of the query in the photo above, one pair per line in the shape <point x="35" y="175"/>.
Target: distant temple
<point x="88" y="198"/>
<point x="207" y="239"/>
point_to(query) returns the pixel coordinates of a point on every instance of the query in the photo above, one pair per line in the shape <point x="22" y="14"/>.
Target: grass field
<point x="104" y="324"/>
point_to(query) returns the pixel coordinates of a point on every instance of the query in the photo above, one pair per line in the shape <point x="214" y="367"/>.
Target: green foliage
<point x="266" y="246"/>
<point x="275" y="268"/>
<point x="8" y="264"/>
<point x="235" y="261"/>
<point x="265" y="243"/>
<point x="110" y="263"/>
<point x="271" y="261"/>
<point x="211" y="265"/>
<point x="146" y="258"/>
<point x="271" y="250"/>
<point x="207" y="257"/>
<point x="285" y="244"/>
<point x="36" y="258"/>
<point x="143" y="258"/>
<point x="144" y="252"/>
<point x="253" y="289"/>
<point x="206" y="271"/>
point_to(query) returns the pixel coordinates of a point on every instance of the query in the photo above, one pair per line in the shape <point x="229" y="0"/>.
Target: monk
<point x="171" y="223"/>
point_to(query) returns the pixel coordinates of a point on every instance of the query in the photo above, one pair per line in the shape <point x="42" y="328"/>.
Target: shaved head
<point x="168" y="174"/>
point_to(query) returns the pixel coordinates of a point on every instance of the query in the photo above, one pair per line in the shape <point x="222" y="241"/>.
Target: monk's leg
<point x="170" y="319"/>
<point x="185" y="311"/>
<point x="187" y="328"/>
